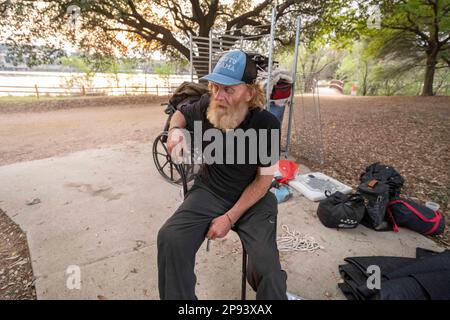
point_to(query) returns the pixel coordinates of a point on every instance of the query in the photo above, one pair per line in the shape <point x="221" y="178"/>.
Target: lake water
<point x="57" y="83"/>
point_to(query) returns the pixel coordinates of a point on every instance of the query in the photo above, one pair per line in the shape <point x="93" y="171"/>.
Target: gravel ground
<point x="16" y="275"/>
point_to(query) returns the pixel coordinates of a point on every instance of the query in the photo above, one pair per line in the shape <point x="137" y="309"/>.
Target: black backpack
<point x="376" y="196"/>
<point x="187" y="93"/>
<point x="415" y="216"/>
<point x="341" y="211"/>
<point x="385" y="174"/>
<point x="379" y="183"/>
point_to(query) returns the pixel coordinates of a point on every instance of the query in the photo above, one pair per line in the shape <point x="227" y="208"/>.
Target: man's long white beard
<point x="223" y="119"/>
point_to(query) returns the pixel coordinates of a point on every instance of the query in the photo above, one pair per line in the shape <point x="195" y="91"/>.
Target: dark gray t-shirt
<point x="228" y="180"/>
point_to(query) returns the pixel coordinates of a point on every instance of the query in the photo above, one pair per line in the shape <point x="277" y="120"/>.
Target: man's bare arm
<point x="221" y="225"/>
<point x="251" y="195"/>
<point x="177" y="120"/>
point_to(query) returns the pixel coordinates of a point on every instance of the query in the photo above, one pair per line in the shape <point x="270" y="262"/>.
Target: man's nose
<point x="220" y="95"/>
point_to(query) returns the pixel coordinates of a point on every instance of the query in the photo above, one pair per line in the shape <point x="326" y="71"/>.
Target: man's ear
<point x="250" y="93"/>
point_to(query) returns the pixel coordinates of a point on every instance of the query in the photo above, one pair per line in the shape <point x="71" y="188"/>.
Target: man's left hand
<point x="219" y="227"/>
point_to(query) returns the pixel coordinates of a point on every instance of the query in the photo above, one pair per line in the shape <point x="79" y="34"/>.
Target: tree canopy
<point x="111" y="25"/>
<point x="414" y="32"/>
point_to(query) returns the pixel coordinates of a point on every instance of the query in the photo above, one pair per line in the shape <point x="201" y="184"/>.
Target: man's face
<point x="229" y="105"/>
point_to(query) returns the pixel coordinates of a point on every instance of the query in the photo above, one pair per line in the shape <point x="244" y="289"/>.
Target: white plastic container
<point x="313" y="185"/>
<point x="432" y="205"/>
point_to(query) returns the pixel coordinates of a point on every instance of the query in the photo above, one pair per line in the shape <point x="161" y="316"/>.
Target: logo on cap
<point x="233" y="68"/>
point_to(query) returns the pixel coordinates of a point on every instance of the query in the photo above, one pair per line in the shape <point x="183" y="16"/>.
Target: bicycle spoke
<point x="161" y="150"/>
<point x="171" y="171"/>
<point x="165" y="164"/>
<point x="165" y="148"/>
<point x="162" y="154"/>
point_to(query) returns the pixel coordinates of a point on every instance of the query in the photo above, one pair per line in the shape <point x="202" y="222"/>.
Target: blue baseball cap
<point x="233" y="68"/>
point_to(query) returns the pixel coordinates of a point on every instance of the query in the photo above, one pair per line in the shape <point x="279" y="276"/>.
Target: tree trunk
<point x="366" y="73"/>
<point x="308" y="83"/>
<point x="429" y="72"/>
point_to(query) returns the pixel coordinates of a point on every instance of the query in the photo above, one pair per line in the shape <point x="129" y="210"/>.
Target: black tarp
<point x="427" y="276"/>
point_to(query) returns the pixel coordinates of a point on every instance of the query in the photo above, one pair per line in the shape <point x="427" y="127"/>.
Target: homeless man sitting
<point x="226" y="194"/>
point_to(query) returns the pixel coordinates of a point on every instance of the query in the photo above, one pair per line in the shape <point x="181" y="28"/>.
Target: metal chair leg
<point x="244" y="273"/>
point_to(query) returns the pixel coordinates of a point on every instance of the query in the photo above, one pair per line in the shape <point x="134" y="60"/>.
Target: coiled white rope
<point x="296" y="241"/>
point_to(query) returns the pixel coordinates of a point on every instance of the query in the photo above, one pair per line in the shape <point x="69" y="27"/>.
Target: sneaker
<point x="292" y="296"/>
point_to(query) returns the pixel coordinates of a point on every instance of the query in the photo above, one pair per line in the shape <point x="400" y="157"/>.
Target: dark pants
<point x="182" y="235"/>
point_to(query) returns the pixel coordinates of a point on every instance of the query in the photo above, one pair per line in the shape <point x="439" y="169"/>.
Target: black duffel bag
<point x="416" y="217"/>
<point x="341" y="211"/>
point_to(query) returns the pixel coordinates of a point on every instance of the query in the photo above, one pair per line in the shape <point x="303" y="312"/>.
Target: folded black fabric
<point x="425" y="277"/>
<point x="423" y="253"/>
<point x="386" y="264"/>
<point x="347" y="291"/>
<point x="436" y="284"/>
<point x="406" y="288"/>
<point x="353" y="278"/>
<point x="434" y="263"/>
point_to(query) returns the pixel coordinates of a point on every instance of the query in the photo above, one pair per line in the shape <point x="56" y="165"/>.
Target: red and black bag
<point x="281" y="90"/>
<point x="415" y="216"/>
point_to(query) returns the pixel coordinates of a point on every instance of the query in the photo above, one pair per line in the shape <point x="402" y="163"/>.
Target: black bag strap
<point x="355" y="196"/>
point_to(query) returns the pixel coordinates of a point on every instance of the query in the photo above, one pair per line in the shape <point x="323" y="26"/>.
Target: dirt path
<point x="30" y="136"/>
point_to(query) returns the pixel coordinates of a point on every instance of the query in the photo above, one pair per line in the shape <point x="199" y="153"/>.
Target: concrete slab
<point x="101" y="209"/>
<point x="95" y="205"/>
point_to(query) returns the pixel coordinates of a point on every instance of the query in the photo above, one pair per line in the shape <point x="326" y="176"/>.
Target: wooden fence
<point x="38" y="91"/>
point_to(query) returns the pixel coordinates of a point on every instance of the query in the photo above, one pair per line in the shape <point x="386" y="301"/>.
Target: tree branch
<point x="197" y="12"/>
<point x="441" y="43"/>
<point x="446" y="60"/>
<point x="445" y="10"/>
<point x="178" y="17"/>
<point x="142" y="27"/>
<point x="435" y="6"/>
<point x="422" y="35"/>
<point x="445" y="47"/>
<point x="212" y="13"/>
<point x="255" y="12"/>
<point x="415" y="28"/>
<point x="167" y="37"/>
<point x="283" y="43"/>
<point x="281" y="7"/>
